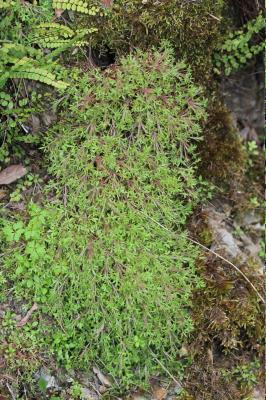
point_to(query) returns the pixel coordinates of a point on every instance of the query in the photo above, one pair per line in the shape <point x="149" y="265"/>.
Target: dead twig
<point x="25" y="319"/>
<point x="231" y="264"/>
<point x="165" y="369"/>
<point x="214" y="17"/>
<point x="10" y="391"/>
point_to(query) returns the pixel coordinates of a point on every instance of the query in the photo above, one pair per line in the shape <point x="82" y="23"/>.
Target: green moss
<point x="222" y="153"/>
<point x="229" y="333"/>
<point x="192" y="28"/>
<point x="96" y="259"/>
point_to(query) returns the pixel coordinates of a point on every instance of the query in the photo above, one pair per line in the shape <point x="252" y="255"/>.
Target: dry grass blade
<point x="231" y="264"/>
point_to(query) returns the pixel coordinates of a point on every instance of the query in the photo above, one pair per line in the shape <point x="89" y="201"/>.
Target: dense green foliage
<point x="238" y="48"/>
<point x="96" y="259"/>
<point x="18" y="17"/>
<point x="25" y="31"/>
<point x="20" y="60"/>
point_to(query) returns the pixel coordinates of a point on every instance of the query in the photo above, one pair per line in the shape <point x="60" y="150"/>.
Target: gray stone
<point x="244" y="96"/>
<point x="51" y="381"/>
<point x="88" y="394"/>
<point x="178" y="389"/>
<point x="49" y="118"/>
<point x="258" y="395"/>
<point x="35" y="123"/>
<point x="248" y="218"/>
<point x="227" y="241"/>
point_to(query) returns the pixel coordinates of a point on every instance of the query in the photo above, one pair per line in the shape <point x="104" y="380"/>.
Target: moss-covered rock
<point x="192" y="27"/>
<point x="223" y="156"/>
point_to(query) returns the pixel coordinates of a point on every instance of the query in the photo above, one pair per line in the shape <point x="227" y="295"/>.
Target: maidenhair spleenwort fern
<point x="18" y="56"/>
<point x="52" y="35"/>
<point x="16" y="61"/>
<point x="81" y="6"/>
<point x="240" y="47"/>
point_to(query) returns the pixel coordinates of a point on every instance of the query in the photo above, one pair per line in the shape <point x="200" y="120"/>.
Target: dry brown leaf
<point x="58" y="13"/>
<point x="2" y="364"/>
<point x="12" y="174"/>
<point x="102" y="378"/>
<point x="25" y="319"/>
<point x="3" y="194"/>
<point x="107" y="3"/>
<point x="183" y="352"/>
<point x="159" y="393"/>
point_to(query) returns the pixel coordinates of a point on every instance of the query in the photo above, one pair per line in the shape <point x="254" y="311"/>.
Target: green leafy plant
<point x="15" y="63"/>
<point x="52" y="35"/>
<point x="81" y="6"/>
<point x="18" y="59"/>
<point x="16" y="108"/>
<point x="4" y="4"/>
<point x="245" y="374"/>
<point x="17" y="20"/>
<point x="239" y="47"/>
<point x="97" y="258"/>
<point x="76" y="390"/>
<point x="21" y="61"/>
<point x="31" y="180"/>
<point x="252" y="152"/>
<point x="20" y="32"/>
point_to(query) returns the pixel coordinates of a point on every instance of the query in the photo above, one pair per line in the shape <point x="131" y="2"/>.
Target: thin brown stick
<point x="165" y="369"/>
<point x="10" y="391"/>
<point x="230" y="263"/>
<point x="25" y="319"/>
<point x="212" y="252"/>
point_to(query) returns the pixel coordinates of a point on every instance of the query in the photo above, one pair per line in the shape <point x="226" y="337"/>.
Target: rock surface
<point x="244" y="95"/>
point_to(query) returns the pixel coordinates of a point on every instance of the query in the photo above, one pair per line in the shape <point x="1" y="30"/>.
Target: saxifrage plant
<point x="96" y="258"/>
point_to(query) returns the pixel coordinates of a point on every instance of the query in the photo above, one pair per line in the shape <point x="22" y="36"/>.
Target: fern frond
<point x="81" y="6"/>
<point x="38" y="74"/>
<point x="240" y="46"/>
<point x="5" y="4"/>
<point x="45" y="28"/>
<point x="54" y="35"/>
<point x="15" y="62"/>
<point x="10" y="51"/>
